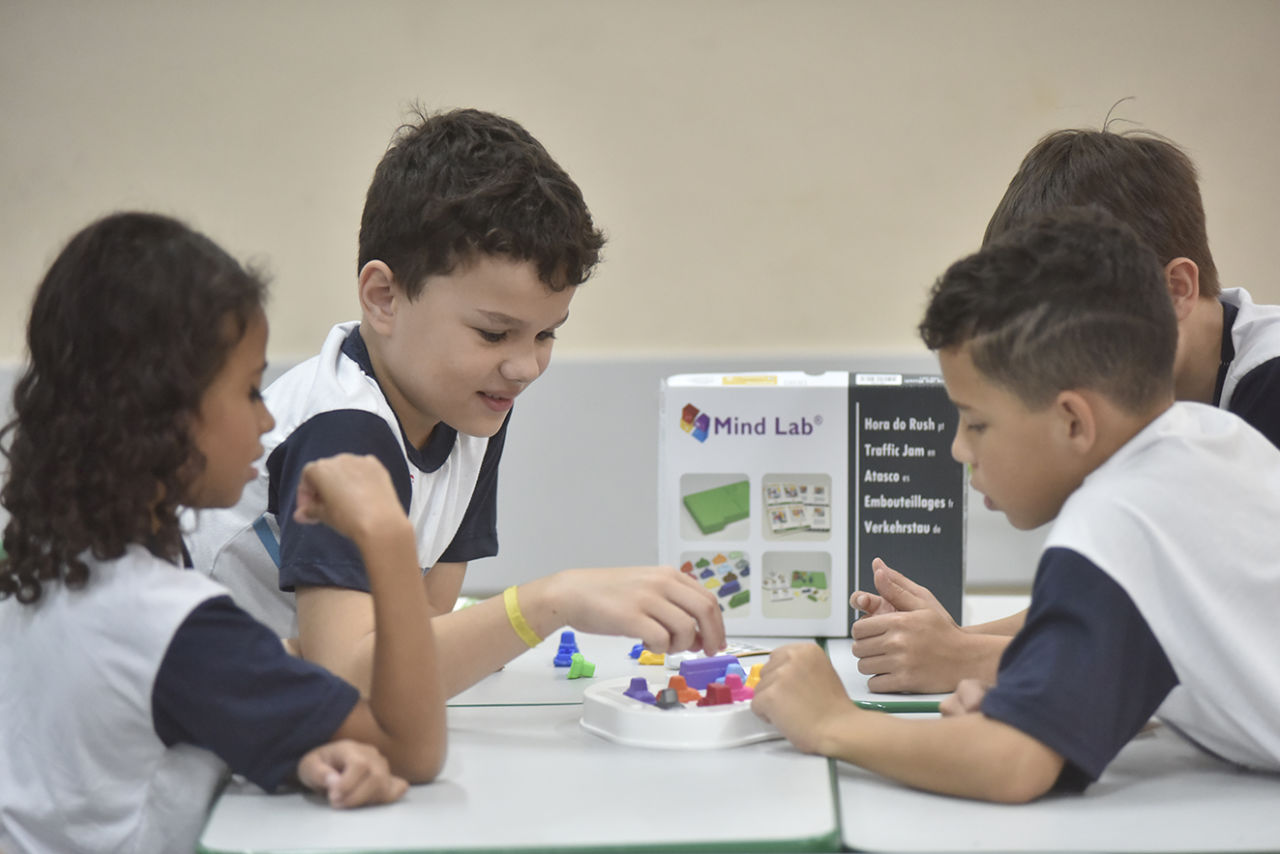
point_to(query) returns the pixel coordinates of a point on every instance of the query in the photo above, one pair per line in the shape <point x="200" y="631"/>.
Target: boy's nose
<point x="523" y="367"/>
<point x="959" y="451"/>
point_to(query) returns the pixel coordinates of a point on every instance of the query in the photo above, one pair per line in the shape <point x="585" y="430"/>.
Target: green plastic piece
<point x="714" y="508"/>
<point x="742" y="597"/>
<point x="580" y="668"/>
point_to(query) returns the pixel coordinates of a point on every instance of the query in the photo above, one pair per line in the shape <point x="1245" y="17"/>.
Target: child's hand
<point x="907" y="642"/>
<point x="662" y="606"/>
<point x="800" y="693"/>
<point x="350" y="774"/>
<point x="967" y="698"/>
<point x="351" y="494"/>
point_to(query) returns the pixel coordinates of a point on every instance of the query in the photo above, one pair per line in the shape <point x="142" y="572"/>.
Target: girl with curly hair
<point x="130" y="685"/>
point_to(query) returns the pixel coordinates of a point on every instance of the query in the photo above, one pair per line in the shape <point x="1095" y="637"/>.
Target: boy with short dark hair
<point x="472" y="243"/>
<point x="1158" y="582"/>
<point x="1228" y="355"/>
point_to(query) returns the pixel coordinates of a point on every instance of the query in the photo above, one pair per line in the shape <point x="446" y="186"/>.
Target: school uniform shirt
<point x="1249" y="372"/>
<point x="123" y="703"/>
<point x="1157" y="592"/>
<point x="330" y="404"/>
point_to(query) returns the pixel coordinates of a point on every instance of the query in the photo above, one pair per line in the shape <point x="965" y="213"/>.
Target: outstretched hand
<point x="662" y="606"/>
<point x="350" y="774"/>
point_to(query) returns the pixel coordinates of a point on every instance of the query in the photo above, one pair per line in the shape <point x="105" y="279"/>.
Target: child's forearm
<point x="1007" y="626"/>
<point x="406" y="694"/>
<point x="970" y="756"/>
<point x="479" y="639"/>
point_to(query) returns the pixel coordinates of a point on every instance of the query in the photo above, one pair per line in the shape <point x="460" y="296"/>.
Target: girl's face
<point x="230" y="420"/>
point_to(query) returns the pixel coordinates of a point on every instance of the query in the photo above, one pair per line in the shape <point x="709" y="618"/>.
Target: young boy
<point x="1158" y="584"/>
<point x="1228" y="355"/>
<point x="472" y="243"/>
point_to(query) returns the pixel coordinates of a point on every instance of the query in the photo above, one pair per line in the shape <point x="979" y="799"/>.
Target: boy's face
<point x="469" y="344"/>
<point x="230" y="421"/>
<point x="1018" y="457"/>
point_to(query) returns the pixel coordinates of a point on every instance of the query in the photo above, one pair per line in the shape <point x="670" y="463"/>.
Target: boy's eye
<point x="255" y="394"/>
<point x="549" y="335"/>
<point x="491" y="337"/>
<point x="975" y="428"/>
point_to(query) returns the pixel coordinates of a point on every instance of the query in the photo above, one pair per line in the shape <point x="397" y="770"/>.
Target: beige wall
<point x="775" y="177"/>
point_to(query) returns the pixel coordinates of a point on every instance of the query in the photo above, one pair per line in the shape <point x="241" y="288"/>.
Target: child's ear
<point x="379" y="296"/>
<point x="1077" y="420"/>
<point x="1182" y="277"/>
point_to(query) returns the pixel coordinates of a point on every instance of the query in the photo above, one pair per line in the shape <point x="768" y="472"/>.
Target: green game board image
<point x="712" y="509"/>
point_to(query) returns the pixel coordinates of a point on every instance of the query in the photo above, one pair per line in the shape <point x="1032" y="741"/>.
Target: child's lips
<point x="497" y="402"/>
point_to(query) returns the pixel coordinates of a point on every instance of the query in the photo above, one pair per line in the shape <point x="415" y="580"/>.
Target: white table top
<point x="531" y="778"/>
<point x="1160" y="794"/>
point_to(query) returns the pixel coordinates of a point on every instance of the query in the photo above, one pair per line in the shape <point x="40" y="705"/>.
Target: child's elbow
<point x="1027" y="777"/>
<point x="421" y="765"/>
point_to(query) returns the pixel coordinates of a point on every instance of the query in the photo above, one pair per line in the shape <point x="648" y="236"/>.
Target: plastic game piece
<point x="648" y="657"/>
<point x="717" y="695"/>
<point x="714" y="508"/>
<point x="702" y="563"/>
<point x="711" y="583"/>
<point x="682" y="689"/>
<point x="639" y="690"/>
<point x="742" y="597"/>
<point x="580" y="668"/>
<point x="707" y="573"/>
<point x="734" y="669"/>
<point x="667" y="699"/>
<point x="719" y="559"/>
<point x="738" y="691"/>
<point x="673" y="660"/>
<point x="568" y="646"/>
<point x="729" y="576"/>
<point x="701" y="672"/>
<point x="729" y="589"/>
<point x="754" y="678"/>
<point x="637" y="650"/>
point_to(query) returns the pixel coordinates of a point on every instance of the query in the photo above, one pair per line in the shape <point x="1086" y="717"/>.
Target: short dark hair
<point x="1071" y="300"/>
<point x="131" y="323"/>
<point x="1141" y="178"/>
<point x="466" y="183"/>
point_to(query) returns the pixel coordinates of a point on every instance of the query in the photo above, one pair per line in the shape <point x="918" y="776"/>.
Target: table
<point x="1159" y="794"/>
<point x="521" y="773"/>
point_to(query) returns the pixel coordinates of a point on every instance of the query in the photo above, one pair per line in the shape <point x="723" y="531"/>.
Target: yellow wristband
<point x="522" y="628"/>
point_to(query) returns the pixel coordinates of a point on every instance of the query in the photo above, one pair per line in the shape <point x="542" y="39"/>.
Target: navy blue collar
<point x="1229" y="313"/>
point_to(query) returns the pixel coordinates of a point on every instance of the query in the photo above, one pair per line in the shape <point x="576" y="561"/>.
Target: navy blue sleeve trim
<point x="1085" y="673"/>
<point x="317" y="555"/>
<point x="477" y="535"/>
<point x="226" y="684"/>
<point x="1256" y="399"/>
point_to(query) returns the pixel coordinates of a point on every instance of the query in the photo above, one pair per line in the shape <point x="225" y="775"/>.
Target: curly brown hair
<point x="127" y="329"/>
<point x="464" y="183"/>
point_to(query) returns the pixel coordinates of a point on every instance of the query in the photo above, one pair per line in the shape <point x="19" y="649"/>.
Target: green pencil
<point x="898" y="706"/>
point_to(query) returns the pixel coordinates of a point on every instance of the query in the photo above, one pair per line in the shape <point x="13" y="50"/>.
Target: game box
<point x="776" y="491"/>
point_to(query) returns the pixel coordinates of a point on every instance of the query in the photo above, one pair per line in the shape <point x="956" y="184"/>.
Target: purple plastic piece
<point x="700" y="672"/>
<point x="729" y="589"/>
<point x="639" y="690"/>
<point x="636" y="650"/>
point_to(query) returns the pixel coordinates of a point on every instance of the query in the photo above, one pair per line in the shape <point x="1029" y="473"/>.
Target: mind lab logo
<point x="694" y="422"/>
<point x="699" y="425"/>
